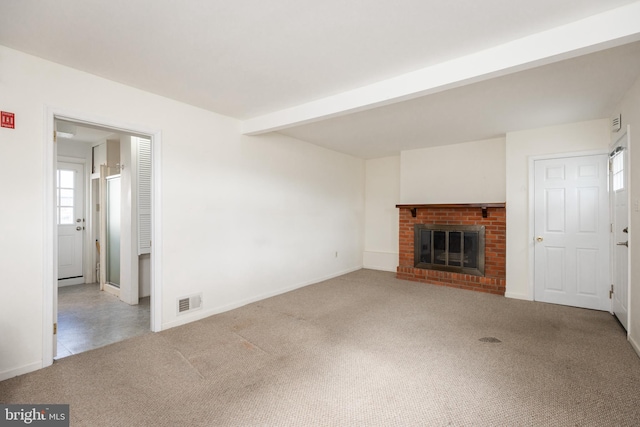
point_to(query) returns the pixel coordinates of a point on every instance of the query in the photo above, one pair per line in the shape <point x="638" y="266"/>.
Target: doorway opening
<point x="82" y="250"/>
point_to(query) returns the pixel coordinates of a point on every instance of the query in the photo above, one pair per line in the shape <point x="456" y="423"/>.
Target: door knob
<point x="78" y="228"/>
<point x="623" y="243"/>
<point x="539" y="239"/>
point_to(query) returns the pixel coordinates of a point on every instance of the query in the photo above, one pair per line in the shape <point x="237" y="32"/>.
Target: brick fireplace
<point x="491" y="216"/>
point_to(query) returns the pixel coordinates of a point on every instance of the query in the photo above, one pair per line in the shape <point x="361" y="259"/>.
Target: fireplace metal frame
<point x="480" y="229"/>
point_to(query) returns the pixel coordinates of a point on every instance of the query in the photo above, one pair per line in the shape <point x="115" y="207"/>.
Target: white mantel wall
<point x="243" y="217"/>
<point x="471" y="172"/>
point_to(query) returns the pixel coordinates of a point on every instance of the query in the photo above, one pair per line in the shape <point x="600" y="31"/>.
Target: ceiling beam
<point x="598" y="32"/>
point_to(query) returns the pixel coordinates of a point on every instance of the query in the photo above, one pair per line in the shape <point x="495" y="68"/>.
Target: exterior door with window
<point x="620" y="224"/>
<point x="70" y="220"/>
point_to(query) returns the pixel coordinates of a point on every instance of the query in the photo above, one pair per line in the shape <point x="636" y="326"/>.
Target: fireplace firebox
<point x="453" y="248"/>
<point x="419" y="265"/>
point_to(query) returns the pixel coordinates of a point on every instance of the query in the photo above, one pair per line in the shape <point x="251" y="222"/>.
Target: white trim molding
<point x="634" y="345"/>
<point x="5" y="375"/>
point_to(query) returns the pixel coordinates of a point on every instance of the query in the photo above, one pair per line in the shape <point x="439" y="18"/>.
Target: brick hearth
<point x="495" y="245"/>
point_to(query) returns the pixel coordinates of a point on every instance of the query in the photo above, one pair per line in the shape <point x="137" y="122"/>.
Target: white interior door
<point x="572" y="232"/>
<point x="71" y="222"/>
<point x="620" y="211"/>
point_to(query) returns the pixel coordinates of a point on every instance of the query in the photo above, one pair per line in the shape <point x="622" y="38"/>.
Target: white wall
<point x="471" y="172"/>
<point x="382" y="194"/>
<point x="576" y="137"/>
<point x="630" y="110"/>
<point x="243" y="217"/>
<point x="80" y="150"/>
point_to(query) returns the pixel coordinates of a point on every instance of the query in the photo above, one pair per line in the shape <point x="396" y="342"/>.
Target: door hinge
<point x="611" y="292"/>
<point x="55" y="328"/>
<point x="55" y="137"/>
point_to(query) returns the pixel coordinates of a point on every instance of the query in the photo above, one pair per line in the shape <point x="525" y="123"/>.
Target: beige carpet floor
<point x="364" y="349"/>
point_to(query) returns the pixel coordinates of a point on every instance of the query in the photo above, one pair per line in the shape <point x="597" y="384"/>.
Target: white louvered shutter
<point x="144" y="196"/>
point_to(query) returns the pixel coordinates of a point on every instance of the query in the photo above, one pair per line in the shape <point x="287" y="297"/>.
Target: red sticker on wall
<point x="7" y="120"/>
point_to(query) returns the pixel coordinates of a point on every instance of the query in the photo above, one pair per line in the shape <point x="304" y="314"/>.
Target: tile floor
<point x="89" y="318"/>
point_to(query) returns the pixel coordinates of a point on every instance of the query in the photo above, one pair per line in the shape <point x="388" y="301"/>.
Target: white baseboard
<point x="5" y="375"/>
<point x="112" y="290"/>
<point x="384" y="261"/>
<point x="201" y="314"/>
<point x="71" y="282"/>
<point x="634" y="345"/>
<point x="515" y="295"/>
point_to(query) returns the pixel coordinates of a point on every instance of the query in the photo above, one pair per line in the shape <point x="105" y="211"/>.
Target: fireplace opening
<point x="454" y="248"/>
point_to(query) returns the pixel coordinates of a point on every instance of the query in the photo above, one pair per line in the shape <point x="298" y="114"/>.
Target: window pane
<point x="425" y="246"/>
<point x="66" y="179"/>
<point x="617" y="168"/>
<point x="66" y="197"/>
<point x="66" y="216"/>
<point x="455" y="247"/>
<point x="439" y="247"/>
<point x="471" y="248"/>
<point x="66" y="193"/>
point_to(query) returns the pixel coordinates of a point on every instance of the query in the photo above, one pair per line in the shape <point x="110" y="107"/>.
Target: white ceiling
<point x="257" y="60"/>
<point x="83" y="133"/>
<point x="585" y="88"/>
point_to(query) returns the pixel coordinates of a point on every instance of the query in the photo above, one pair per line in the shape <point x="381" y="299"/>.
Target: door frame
<point x="616" y="140"/>
<point x="50" y="234"/>
<point x="531" y="210"/>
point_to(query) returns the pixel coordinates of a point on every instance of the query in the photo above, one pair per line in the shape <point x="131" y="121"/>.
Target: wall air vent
<point x="189" y="303"/>
<point x="616" y="123"/>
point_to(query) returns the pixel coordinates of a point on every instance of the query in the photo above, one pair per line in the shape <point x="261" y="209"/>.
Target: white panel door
<point x="620" y="211"/>
<point x="70" y="219"/>
<point x="571" y="232"/>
